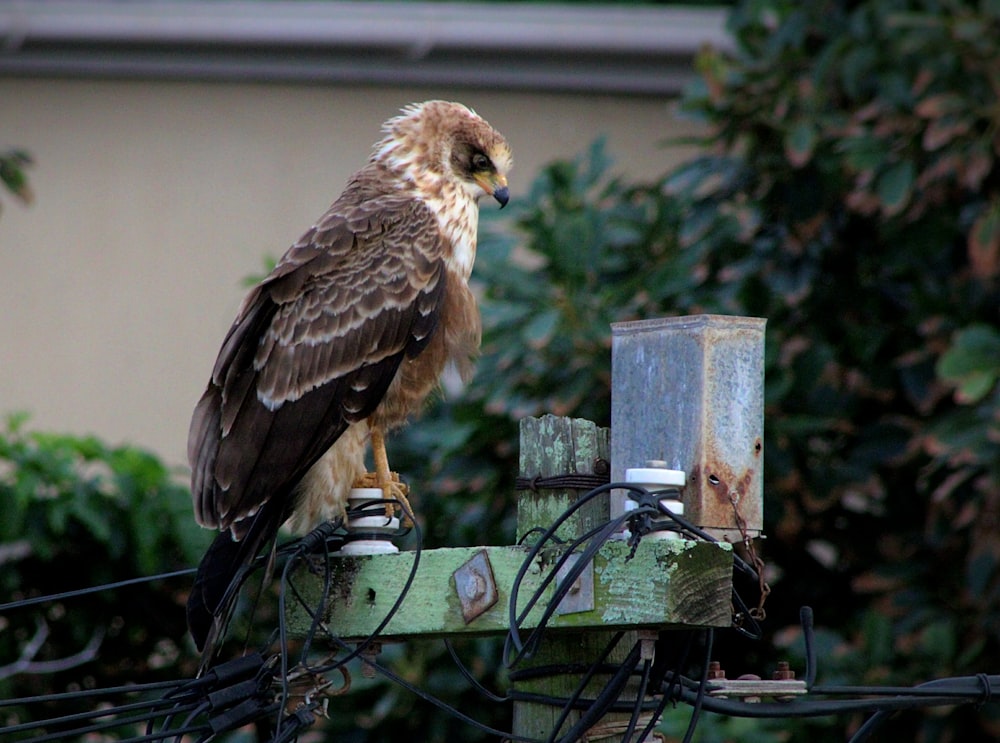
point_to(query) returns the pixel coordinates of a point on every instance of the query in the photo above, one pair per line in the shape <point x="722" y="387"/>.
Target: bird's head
<point x="438" y="143"/>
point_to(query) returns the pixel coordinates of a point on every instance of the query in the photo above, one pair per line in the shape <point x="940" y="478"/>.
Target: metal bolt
<point x="715" y="671"/>
<point x="370" y="653"/>
<point x="474" y="585"/>
<point x="783" y="672"/>
<point x="750" y="677"/>
<point x="647" y="644"/>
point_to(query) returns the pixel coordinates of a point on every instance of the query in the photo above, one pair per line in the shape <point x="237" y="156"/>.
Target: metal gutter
<point x="644" y="50"/>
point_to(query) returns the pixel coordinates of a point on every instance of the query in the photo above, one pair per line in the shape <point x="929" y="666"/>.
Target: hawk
<point x="339" y="344"/>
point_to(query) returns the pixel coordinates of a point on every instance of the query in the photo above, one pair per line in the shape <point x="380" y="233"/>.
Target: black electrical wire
<point x="35" y="600"/>
<point x="238" y="692"/>
<point x="76" y="717"/>
<point x="746" y="624"/>
<point x="94" y="728"/>
<point x="809" y="643"/>
<point x="444" y="706"/>
<point x="188" y="723"/>
<point x="318" y="539"/>
<point x="640" y="521"/>
<point x="640" y="695"/>
<point x="948" y="692"/>
<point x="658" y="675"/>
<point x="373" y="636"/>
<point x="873" y="723"/>
<point x="176" y="733"/>
<point x="472" y="680"/>
<point x="87" y="693"/>
<point x="514" y="620"/>
<point x="583" y="559"/>
<point x="604" y="701"/>
<point x="311" y="544"/>
<point x="582" y="685"/>
<point x="283" y="632"/>
<point x="681" y="524"/>
<point x="604" y="531"/>
<point x="870" y="726"/>
<point x="700" y="698"/>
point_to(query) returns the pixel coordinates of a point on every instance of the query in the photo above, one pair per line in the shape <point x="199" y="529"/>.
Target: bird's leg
<point x="384" y="478"/>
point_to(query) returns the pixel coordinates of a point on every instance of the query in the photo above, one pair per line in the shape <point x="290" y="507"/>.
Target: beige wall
<point x="154" y="200"/>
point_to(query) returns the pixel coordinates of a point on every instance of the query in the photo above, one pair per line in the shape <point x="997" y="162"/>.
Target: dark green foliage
<point x="78" y="513"/>
<point x="849" y="191"/>
<point x="12" y="176"/>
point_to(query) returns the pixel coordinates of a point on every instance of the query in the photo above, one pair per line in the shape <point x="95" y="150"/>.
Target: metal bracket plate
<point x="475" y="586"/>
<point x="580" y="596"/>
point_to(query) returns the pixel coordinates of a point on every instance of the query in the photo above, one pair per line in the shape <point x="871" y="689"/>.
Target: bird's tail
<point x="221" y="574"/>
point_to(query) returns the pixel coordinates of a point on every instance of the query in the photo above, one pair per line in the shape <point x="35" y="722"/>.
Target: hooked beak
<point x="502" y="195"/>
<point x="496" y="186"/>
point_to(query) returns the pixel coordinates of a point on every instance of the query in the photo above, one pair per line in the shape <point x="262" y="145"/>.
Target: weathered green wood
<point x="560" y="446"/>
<point x="667" y="583"/>
<point x="628" y="589"/>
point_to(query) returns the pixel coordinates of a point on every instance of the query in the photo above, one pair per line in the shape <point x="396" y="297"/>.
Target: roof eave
<point x="610" y="49"/>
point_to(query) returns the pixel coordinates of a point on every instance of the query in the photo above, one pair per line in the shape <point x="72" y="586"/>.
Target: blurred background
<point x="831" y="166"/>
<point x="177" y="144"/>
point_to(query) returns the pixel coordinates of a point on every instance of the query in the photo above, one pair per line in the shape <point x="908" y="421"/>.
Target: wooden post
<point x="466" y="591"/>
<point x="552" y="446"/>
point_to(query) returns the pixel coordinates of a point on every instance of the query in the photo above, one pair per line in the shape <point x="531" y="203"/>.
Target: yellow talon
<point x="387" y="480"/>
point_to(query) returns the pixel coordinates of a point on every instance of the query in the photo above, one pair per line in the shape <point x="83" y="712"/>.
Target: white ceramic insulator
<point x="655" y="478"/>
<point x="674" y="506"/>
<point x="376" y="523"/>
<point x="364" y="494"/>
<point x="369" y="547"/>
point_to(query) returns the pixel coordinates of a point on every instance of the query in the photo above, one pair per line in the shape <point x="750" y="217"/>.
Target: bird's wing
<point x="313" y="349"/>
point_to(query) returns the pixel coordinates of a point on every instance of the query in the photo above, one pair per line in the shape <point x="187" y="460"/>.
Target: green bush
<point x="13" y="163"/>
<point x="80" y="514"/>
<point x="847" y="189"/>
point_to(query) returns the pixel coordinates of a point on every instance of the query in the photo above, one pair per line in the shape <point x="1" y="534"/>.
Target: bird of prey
<point x="340" y="343"/>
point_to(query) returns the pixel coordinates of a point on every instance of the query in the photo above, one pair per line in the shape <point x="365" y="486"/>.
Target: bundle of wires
<point x="283" y="693"/>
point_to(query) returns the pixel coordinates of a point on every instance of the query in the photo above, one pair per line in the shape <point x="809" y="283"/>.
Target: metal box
<point x="689" y="391"/>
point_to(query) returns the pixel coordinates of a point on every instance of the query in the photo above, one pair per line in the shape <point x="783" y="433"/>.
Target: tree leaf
<point x="895" y="185"/>
<point x="539" y="331"/>
<point x="984" y="243"/>
<point x="972" y="364"/>
<point x="800" y="142"/>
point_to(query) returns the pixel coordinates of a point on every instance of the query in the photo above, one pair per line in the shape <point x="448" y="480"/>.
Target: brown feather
<point x="326" y="311"/>
<point x="354" y="324"/>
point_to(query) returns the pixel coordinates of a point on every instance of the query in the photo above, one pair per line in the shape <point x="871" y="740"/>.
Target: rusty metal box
<point x="689" y="391"/>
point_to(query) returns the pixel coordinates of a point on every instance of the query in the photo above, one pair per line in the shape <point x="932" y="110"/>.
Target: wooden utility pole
<point x="666" y="583"/>
<point x="466" y="591"/>
<point x="552" y="447"/>
<point x="687" y="391"/>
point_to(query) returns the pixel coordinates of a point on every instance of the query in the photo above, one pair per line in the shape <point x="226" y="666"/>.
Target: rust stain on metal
<point x="721" y="497"/>
<point x="690" y="391"/>
<point x="580" y="595"/>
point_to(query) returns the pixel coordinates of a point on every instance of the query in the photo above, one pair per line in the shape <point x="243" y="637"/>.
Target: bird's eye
<point x="480" y="162"/>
